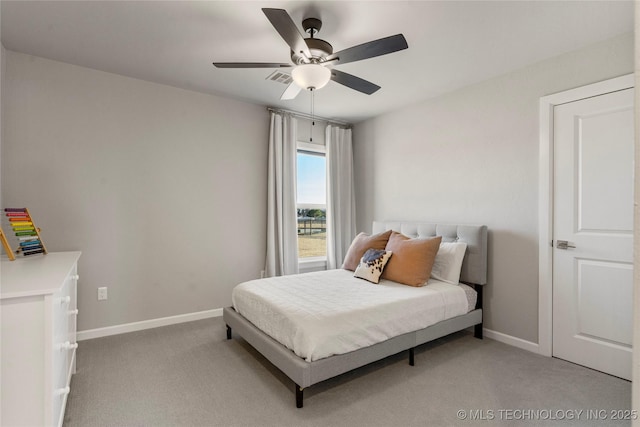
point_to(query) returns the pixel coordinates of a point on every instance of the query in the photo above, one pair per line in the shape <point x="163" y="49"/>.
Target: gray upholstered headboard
<point x="474" y="266"/>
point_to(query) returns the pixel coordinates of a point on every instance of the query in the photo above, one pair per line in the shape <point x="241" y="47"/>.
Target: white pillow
<point x="448" y="262"/>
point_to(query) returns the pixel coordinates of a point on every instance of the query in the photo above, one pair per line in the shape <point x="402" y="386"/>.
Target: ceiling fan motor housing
<point x="319" y="48"/>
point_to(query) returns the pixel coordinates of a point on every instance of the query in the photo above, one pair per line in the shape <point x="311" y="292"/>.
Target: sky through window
<point x="312" y="187"/>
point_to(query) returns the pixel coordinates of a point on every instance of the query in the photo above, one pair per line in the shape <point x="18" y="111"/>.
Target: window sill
<point x="312" y="264"/>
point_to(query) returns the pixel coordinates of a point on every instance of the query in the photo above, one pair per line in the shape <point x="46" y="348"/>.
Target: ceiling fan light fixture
<point x="311" y="76"/>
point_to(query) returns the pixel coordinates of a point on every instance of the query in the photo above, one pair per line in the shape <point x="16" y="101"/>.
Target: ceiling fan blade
<point x="287" y="29"/>
<point x="291" y="91"/>
<point x="370" y="49"/>
<point x="353" y="82"/>
<point x="250" y="65"/>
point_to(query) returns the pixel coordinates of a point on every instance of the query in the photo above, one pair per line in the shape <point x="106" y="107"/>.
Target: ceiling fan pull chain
<point x="313" y="122"/>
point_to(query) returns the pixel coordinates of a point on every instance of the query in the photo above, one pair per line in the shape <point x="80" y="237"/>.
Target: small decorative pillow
<point x="448" y="262"/>
<point x="371" y="265"/>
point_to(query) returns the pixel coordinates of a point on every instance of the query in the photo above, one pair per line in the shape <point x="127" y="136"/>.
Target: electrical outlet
<point x="262" y="273"/>
<point x="102" y="293"/>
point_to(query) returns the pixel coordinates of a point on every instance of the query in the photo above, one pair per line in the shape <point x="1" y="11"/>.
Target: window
<point x="311" y="201"/>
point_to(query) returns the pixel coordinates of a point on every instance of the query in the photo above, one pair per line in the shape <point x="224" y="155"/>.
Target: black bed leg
<point x="228" y="332"/>
<point x="411" y="357"/>
<point x="299" y="396"/>
<point x="477" y="331"/>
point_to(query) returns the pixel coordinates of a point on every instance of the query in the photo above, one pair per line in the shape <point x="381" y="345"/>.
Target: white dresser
<point x="38" y="342"/>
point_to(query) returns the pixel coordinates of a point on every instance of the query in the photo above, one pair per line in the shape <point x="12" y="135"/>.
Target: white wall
<point x="306" y="132"/>
<point x="2" y="78"/>
<point x="635" y="391"/>
<point x="471" y="156"/>
<point x="2" y="73"/>
<point x="162" y="189"/>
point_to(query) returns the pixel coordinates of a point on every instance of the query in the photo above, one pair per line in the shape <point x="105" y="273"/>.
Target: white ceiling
<point x="452" y="44"/>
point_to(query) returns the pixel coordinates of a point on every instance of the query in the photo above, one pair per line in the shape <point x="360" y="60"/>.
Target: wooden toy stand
<point x="7" y="248"/>
<point x="27" y="235"/>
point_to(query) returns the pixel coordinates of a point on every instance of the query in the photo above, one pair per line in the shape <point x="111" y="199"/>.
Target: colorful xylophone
<point x="27" y="235"/>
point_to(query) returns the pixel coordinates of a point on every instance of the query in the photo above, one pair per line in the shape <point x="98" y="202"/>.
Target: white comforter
<point x="330" y="312"/>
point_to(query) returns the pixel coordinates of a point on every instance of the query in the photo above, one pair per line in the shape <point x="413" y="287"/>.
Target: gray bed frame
<point x="305" y="374"/>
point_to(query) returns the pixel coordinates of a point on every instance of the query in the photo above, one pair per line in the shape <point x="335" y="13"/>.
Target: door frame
<point x="545" y="197"/>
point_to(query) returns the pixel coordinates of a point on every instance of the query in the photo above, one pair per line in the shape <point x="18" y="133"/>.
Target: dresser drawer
<point x="71" y="314"/>
<point x="59" y="402"/>
<point x="64" y="344"/>
<point x="60" y="304"/>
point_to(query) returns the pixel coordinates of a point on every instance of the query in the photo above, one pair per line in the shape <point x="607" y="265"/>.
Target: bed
<point x="306" y="363"/>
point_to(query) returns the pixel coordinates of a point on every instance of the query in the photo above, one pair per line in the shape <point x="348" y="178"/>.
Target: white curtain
<point x="282" y="226"/>
<point x="341" y="210"/>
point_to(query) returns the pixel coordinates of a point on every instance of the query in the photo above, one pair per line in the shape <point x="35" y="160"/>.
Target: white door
<point x="593" y="232"/>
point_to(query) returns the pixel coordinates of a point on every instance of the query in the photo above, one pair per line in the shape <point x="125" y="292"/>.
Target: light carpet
<point x="190" y="375"/>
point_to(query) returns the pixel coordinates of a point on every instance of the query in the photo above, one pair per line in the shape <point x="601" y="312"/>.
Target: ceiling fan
<point x="311" y="56"/>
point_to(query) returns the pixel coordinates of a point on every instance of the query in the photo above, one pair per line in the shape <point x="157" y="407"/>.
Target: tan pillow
<point x="412" y="259"/>
<point x="359" y="246"/>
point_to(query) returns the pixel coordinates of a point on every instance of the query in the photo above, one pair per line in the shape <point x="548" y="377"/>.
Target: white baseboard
<point x="513" y="341"/>
<point x="147" y="324"/>
<point x="217" y="312"/>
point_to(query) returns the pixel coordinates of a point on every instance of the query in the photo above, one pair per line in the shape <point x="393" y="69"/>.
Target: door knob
<point x="563" y="244"/>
